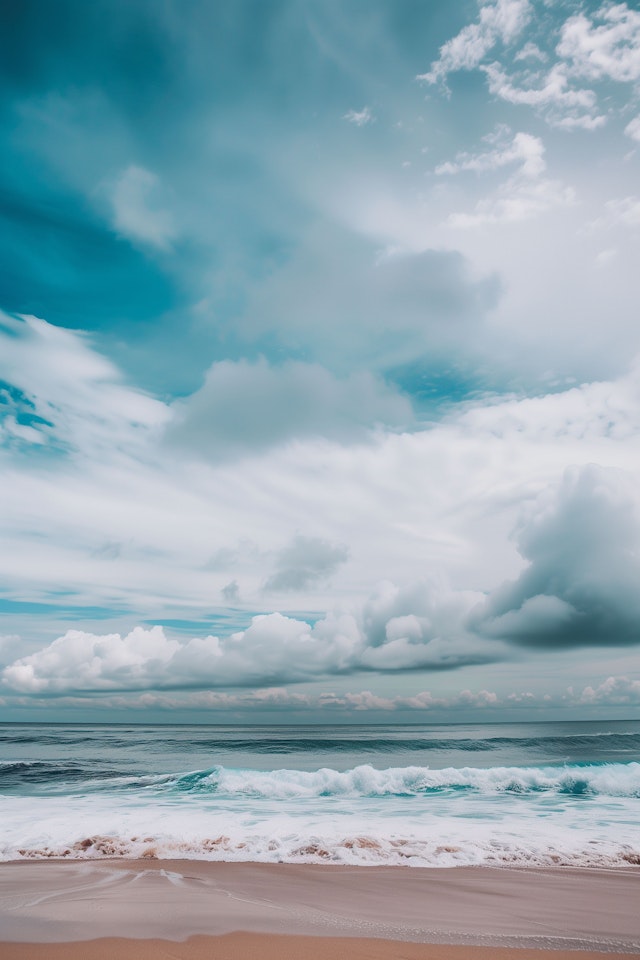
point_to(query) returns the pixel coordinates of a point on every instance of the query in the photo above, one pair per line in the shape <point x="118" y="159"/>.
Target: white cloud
<point x="524" y="149"/>
<point x="569" y="107"/>
<point x="115" y="519"/>
<point x="607" y="46"/>
<point x="524" y="195"/>
<point x="137" y="213"/>
<point x="604" y="46"/>
<point x="620" y="691"/>
<point x="632" y="129"/>
<point x="77" y="396"/>
<point x="388" y="636"/>
<point x="530" y="51"/>
<point x="613" y="690"/>
<point x="419" y="625"/>
<point x="359" y="117"/>
<point x="502" y="20"/>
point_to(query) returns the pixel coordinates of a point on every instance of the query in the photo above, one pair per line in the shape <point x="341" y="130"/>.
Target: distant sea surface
<point x="419" y="795"/>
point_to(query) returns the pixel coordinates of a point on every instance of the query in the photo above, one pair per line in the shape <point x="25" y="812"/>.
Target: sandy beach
<point x="193" y="909"/>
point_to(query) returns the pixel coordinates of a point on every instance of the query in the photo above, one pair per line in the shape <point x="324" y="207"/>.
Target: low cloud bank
<point x="581" y="539"/>
<point x="400" y="630"/>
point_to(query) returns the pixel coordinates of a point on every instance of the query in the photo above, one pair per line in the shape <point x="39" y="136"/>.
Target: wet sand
<point x="247" y="946"/>
<point x="189" y="910"/>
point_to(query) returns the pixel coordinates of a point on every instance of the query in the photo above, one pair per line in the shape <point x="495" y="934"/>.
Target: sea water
<point x="416" y="794"/>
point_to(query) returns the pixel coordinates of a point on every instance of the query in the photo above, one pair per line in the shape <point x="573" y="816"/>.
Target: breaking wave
<point x="615" y="780"/>
<point x="577" y="780"/>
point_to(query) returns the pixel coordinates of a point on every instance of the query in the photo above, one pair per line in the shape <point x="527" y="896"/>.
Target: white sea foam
<point x="412" y="815"/>
<point x="614" y="780"/>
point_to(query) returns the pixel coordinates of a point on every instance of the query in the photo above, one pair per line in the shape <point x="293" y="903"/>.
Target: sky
<point x="319" y="360"/>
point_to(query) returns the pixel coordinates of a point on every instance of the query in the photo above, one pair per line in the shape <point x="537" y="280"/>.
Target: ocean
<point x="415" y="795"/>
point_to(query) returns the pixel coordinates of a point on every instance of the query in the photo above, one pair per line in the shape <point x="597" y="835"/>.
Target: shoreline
<point x="241" y="946"/>
<point x="589" y="910"/>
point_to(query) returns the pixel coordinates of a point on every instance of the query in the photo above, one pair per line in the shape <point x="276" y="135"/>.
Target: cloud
<point x="562" y="105"/>
<point x="276" y="699"/>
<point x="245" y="407"/>
<point x="613" y="690"/>
<point x="137" y="214"/>
<point x="526" y="194"/>
<point x="632" y="129"/>
<point x="605" y="47"/>
<point x="231" y="592"/>
<point x="304" y="562"/>
<point x="524" y="149"/>
<point x="360" y="117"/>
<point x="580" y="588"/>
<point x="74" y="397"/>
<point x="443" y="496"/>
<point x="502" y="20"/>
<point x="340" y="299"/>
<point x="530" y="51"/>
<point x="418" y="627"/>
<point x="622" y="212"/>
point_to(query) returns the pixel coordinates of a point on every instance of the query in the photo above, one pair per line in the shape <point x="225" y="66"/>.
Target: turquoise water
<point x="420" y="795"/>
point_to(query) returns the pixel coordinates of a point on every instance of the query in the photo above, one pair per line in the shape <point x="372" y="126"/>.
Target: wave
<point x="616" y="780"/>
<point x="575" y="780"/>
<point x="16" y="773"/>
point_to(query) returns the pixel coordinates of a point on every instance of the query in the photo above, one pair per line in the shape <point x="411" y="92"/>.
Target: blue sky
<point x="318" y="359"/>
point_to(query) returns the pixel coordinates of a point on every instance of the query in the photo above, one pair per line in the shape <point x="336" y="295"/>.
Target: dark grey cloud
<point x="305" y="562"/>
<point x="581" y="587"/>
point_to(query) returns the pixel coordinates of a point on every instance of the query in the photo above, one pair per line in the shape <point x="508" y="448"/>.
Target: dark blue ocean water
<point x="421" y="794"/>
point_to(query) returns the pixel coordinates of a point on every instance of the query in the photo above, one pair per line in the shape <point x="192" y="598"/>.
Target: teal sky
<point x="318" y="359"/>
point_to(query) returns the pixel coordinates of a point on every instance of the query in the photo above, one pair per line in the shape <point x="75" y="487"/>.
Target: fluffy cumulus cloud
<point x="605" y="46"/>
<point x="580" y="586"/>
<point x="420" y="627"/>
<point x="499" y="21"/>
<point x="563" y="105"/>
<point x="590" y="47"/>
<point x="613" y="690"/>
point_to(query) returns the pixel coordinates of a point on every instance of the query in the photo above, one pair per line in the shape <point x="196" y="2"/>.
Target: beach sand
<point x="255" y="946"/>
<point x="191" y="910"/>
